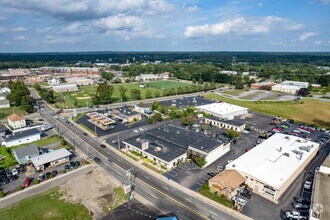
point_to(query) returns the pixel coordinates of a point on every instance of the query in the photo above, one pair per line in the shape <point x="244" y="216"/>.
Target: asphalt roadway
<point x="163" y="195"/>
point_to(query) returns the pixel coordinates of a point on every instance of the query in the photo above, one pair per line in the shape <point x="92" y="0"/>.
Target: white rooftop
<point x="275" y="160"/>
<point x="286" y="87"/>
<point x="50" y="157"/>
<point x="221" y="108"/>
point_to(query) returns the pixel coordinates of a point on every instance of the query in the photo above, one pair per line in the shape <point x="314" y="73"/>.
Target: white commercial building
<point x="19" y="138"/>
<point x="65" y="87"/>
<point x="223" y="110"/>
<point x="54" y="81"/>
<point x="81" y="81"/>
<point x="147" y="77"/>
<point x="51" y="159"/>
<point x="291" y="87"/>
<point x="271" y="167"/>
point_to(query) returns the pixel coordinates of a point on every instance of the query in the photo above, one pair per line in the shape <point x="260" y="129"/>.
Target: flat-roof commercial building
<point x="262" y="84"/>
<point x="291" y="87"/>
<point x="80" y="81"/>
<point x="126" y="114"/>
<point x="223" y="110"/>
<point x="186" y="101"/>
<point x="21" y="137"/>
<point x="271" y="167"/>
<point x="170" y="145"/>
<point x="65" y="87"/>
<point x="51" y="159"/>
<point x="320" y="202"/>
<point x="224" y="123"/>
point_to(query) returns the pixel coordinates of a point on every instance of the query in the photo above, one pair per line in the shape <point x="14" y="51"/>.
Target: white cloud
<point x="260" y="4"/>
<point x="325" y="1"/>
<point x="307" y="35"/>
<point x="52" y="39"/>
<point x="294" y="27"/>
<point x="318" y="42"/>
<point x="6" y="42"/>
<point x="19" y="29"/>
<point x="119" y="23"/>
<point x="19" y="38"/>
<point x="73" y="28"/>
<point x="238" y="26"/>
<point x="191" y="9"/>
<point x="2" y="18"/>
<point x="2" y="30"/>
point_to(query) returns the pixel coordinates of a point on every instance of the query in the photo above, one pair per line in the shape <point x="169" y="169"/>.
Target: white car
<point x="14" y="171"/>
<point x="136" y="131"/>
<point x="294" y="215"/>
<point x="245" y="131"/>
<point x="141" y="129"/>
<point x="308" y="185"/>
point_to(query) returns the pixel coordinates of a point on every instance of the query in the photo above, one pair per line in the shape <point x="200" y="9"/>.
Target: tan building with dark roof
<point x="16" y="121"/>
<point x="226" y="182"/>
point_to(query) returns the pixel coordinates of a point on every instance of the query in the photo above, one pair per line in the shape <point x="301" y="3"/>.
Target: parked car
<point x="294" y="215"/>
<point x="72" y="165"/>
<point x="302" y="200"/>
<point x="301" y="206"/>
<point x="211" y="174"/>
<point x="8" y="172"/>
<point x="5" y="180"/>
<point x="66" y="167"/>
<point x="48" y="175"/>
<point x="21" y="168"/>
<point x="14" y="177"/>
<point x="27" y="182"/>
<point x="41" y="177"/>
<point x="247" y="149"/>
<point x="102" y="145"/>
<point x="77" y="163"/>
<point x="2" y="174"/>
<point x="220" y="168"/>
<point x="85" y="134"/>
<point x="14" y="171"/>
<point x="54" y="173"/>
<point x="97" y="160"/>
<point x="308" y="185"/>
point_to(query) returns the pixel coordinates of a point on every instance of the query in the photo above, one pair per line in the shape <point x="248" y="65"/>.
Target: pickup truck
<point x="294" y="215"/>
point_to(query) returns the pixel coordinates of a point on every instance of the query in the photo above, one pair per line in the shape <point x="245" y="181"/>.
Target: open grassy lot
<point x="311" y="111"/>
<point x="4" y="112"/>
<point x="234" y="92"/>
<point x="165" y="84"/>
<point x="7" y="157"/>
<point x="84" y="96"/>
<point x="48" y="205"/>
<point x="248" y="97"/>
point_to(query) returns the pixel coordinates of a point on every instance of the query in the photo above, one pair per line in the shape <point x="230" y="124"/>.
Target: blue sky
<point x="164" y="25"/>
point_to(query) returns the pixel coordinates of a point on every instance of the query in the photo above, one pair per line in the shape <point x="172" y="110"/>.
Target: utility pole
<point x="95" y="130"/>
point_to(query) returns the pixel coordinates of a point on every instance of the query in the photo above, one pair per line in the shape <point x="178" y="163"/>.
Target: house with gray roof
<point x="25" y="153"/>
<point x="21" y="137"/>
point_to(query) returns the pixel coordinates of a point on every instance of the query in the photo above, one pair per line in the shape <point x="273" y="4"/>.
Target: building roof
<point x="21" y="134"/>
<point x="221" y="108"/>
<point x="276" y="159"/>
<point x="25" y="151"/>
<point x="4" y="102"/>
<point x="321" y="195"/>
<point x="50" y="157"/>
<point x="126" y="111"/>
<point x="326" y="162"/>
<point x="164" y="150"/>
<point x="295" y="83"/>
<point x="230" y="122"/>
<point x="186" y="101"/>
<point x="16" y="117"/>
<point x="64" y="86"/>
<point x="230" y="179"/>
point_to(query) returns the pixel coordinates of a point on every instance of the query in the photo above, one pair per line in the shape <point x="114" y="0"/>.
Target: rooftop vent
<point x="157" y="149"/>
<point x="298" y="152"/>
<point x="305" y="148"/>
<point x="287" y="137"/>
<point x="286" y="154"/>
<point x="138" y="139"/>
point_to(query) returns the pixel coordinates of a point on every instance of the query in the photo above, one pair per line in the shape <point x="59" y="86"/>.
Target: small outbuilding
<point x="51" y="159"/>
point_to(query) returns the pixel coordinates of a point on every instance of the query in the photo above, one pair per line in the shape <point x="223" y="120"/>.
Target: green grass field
<point x="311" y="111"/>
<point x="85" y="93"/>
<point x="234" y="92"/>
<point x="47" y="205"/>
<point x="4" y="112"/>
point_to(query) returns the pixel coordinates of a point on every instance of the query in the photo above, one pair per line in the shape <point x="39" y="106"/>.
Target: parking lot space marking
<point x="166" y="188"/>
<point x="147" y="177"/>
<point x="214" y="213"/>
<point x="188" y="200"/>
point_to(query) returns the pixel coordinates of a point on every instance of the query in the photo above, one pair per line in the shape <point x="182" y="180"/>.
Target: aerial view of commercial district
<point x="164" y="135"/>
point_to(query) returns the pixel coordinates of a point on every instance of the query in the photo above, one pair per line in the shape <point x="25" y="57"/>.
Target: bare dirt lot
<point x="95" y="191"/>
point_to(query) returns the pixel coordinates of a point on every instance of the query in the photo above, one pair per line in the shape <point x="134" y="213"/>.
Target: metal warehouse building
<point x="271" y="167"/>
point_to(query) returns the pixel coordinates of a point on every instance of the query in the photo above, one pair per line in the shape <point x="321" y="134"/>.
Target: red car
<point x="247" y="149"/>
<point x="27" y="182"/>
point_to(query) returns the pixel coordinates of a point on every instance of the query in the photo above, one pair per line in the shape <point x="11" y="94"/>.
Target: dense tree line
<point x="20" y="96"/>
<point x="45" y="94"/>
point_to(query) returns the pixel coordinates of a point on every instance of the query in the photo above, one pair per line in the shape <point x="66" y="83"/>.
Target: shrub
<point x="200" y="161"/>
<point x="36" y="181"/>
<point x="20" y="188"/>
<point x="154" y="163"/>
<point x="163" y="167"/>
<point x="2" y="194"/>
<point x="232" y="134"/>
<point x="148" y="160"/>
<point x="63" y="171"/>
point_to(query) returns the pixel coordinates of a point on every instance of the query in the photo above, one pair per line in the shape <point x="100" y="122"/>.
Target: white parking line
<point x="153" y="196"/>
<point x="166" y="188"/>
<point x="147" y="177"/>
<point x="214" y="213"/>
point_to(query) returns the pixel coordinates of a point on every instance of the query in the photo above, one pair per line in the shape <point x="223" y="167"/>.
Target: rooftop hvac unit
<point x="286" y="154"/>
<point x="287" y="137"/>
<point x="298" y="152"/>
<point x="305" y="148"/>
<point x="138" y="139"/>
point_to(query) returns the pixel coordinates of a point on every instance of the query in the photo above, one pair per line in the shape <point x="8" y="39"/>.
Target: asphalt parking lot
<point x="133" y="210"/>
<point x="118" y="126"/>
<point x="258" y="121"/>
<point x="14" y="184"/>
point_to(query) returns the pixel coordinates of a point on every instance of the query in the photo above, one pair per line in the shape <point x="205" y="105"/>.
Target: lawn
<point x="47" y="205"/>
<point x="84" y="96"/>
<point x="48" y="140"/>
<point x="7" y="156"/>
<point x="4" y="112"/>
<point x="249" y="97"/>
<point x="234" y="92"/>
<point x="311" y="111"/>
<point x="206" y="192"/>
<point x="166" y="84"/>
